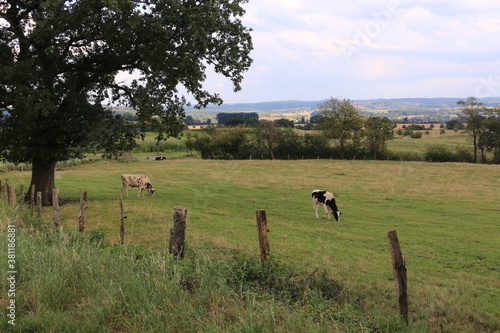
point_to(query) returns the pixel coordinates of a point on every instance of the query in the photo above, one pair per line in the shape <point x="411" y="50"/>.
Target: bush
<point x="227" y="144"/>
<point x="439" y="153"/>
<point x="416" y="135"/>
<point x="162" y="146"/>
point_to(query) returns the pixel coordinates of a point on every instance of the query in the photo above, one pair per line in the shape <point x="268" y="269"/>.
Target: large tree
<point x="377" y="132"/>
<point x="340" y="120"/>
<point x="473" y="115"/>
<point x="59" y="62"/>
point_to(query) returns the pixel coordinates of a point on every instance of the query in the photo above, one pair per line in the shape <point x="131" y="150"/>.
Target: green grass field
<point x="445" y="214"/>
<point x="449" y="140"/>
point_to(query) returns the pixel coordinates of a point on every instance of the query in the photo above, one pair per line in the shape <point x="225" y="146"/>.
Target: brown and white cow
<point x="140" y="181"/>
<point x="327" y="200"/>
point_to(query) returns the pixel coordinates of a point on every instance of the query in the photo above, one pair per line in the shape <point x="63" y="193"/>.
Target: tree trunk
<point x="474" y="137"/>
<point x="43" y="178"/>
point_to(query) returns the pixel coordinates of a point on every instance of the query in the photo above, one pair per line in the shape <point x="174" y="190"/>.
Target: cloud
<point x="315" y="49"/>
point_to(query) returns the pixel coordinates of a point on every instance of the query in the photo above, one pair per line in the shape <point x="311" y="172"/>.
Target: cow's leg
<point x="124" y="188"/>
<point x="140" y="191"/>
<point x="315" y="206"/>
<point x="327" y="212"/>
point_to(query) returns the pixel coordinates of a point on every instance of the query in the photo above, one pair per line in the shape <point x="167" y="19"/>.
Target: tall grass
<point x="72" y="282"/>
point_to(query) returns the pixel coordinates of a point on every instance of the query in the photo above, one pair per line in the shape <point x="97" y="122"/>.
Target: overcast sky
<point x="364" y="49"/>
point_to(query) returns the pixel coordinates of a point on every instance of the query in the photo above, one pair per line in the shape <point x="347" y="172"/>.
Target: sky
<point x="366" y="49"/>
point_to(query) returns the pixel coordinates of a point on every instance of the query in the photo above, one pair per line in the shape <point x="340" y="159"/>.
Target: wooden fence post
<point x="122" y="222"/>
<point x="39" y="202"/>
<point x="81" y="215"/>
<point x="32" y="199"/>
<point x="262" y="229"/>
<point x="13" y="199"/>
<point x="178" y="232"/>
<point x="55" y="203"/>
<point x="7" y="189"/>
<point x="399" y="269"/>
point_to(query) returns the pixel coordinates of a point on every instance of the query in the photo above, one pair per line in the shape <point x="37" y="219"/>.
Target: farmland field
<point x="445" y="214"/>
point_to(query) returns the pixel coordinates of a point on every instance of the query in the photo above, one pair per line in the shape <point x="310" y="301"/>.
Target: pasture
<point x="445" y="214"/>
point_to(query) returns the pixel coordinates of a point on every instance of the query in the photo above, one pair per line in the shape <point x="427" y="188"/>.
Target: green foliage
<point x="269" y="140"/>
<point x="342" y="121"/>
<point x="160" y="146"/>
<point x="235" y="118"/>
<point x="378" y="131"/>
<point x="295" y="146"/>
<point x="439" y="153"/>
<point x="226" y="144"/>
<point x="455" y="124"/>
<point x="415" y="127"/>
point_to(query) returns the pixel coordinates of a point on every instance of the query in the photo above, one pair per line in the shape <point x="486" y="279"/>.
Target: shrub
<point x="439" y="153"/>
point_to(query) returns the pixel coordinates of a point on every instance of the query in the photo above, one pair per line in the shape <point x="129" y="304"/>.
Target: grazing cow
<point x="140" y="181"/>
<point x="160" y="158"/>
<point x="327" y="200"/>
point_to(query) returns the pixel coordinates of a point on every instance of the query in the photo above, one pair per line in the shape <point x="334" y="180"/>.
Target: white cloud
<point x="400" y="48"/>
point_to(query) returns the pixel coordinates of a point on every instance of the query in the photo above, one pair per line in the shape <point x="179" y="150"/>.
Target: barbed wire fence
<point x="13" y="197"/>
<point x="399" y="264"/>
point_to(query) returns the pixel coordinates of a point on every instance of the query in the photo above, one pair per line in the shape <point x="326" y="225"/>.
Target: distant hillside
<point x="413" y="109"/>
<point x="394" y="104"/>
<point x="262" y="106"/>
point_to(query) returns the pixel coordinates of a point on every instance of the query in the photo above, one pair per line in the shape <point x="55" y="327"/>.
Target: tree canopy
<point x="59" y="62"/>
<point x="340" y="120"/>
<point x="224" y="117"/>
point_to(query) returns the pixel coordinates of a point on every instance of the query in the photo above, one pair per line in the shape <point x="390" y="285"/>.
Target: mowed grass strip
<point x="445" y="214"/>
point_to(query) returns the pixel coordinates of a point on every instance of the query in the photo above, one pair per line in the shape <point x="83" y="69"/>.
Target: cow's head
<point x="333" y="207"/>
<point x="150" y="189"/>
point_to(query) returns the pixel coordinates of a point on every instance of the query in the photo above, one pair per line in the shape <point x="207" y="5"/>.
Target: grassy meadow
<point x="445" y="214"/>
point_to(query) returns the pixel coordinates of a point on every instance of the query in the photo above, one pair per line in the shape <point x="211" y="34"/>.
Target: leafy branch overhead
<point x="59" y="62"/>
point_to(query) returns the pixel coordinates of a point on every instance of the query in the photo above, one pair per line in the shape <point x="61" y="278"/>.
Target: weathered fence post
<point x="81" y="215"/>
<point x="178" y="232"/>
<point x="55" y="203"/>
<point x="39" y="202"/>
<point x="262" y="229"/>
<point x="13" y="199"/>
<point x="7" y="189"/>
<point x="399" y="268"/>
<point x="122" y="222"/>
<point x="32" y="199"/>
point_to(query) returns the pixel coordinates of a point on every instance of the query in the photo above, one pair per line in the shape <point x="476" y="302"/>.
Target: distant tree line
<point x="234" y="119"/>
<point x="342" y="133"/>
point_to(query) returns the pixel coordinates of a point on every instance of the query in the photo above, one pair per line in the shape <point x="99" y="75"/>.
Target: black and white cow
<point x="327" y="200"/>
<point x="140" y="181"/>
<point x="160" y="158"/>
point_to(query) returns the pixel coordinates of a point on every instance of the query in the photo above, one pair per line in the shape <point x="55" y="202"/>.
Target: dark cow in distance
<point x="160" y="158"/>
<point x="327" y="200"/>
<point x="140" y="181"/>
